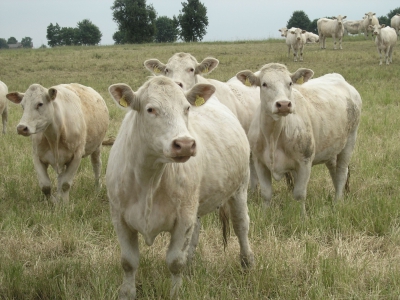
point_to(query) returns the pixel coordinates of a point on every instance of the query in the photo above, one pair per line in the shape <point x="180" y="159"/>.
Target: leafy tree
<point x="26" y="42"/>
<point x="392" y="13"/>
<point x="43" y="46"/>
<point x="384" y="20"/>
<point x="89" y="34"/>
<point x="3" y="44"/>
<point x="53" y="35"/>
<point x="299" y="19"/>
<point x="69" y="36"/>
<point x="167" y="29"/>
<point x="12" y="40"/>
<point x="119" y="37"/>
<point x="136" y="21"/>
<point x="313" y="26"/>
<point x="193" y="21"/>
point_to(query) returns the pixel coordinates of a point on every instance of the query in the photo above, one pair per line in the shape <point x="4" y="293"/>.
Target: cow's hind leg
<point x="4" y="117"/>
<point x="95" y="159"/>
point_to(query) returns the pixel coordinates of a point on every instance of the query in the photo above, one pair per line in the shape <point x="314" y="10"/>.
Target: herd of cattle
<point x="188" y="146"/>
<point x="336" y="27"/>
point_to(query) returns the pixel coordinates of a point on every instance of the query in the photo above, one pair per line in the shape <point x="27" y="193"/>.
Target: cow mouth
<point x="181" y="159"/>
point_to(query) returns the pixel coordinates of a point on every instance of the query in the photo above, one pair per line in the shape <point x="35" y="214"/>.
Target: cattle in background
<point x="184" y="69"/>
<point x="311" y="38"/>
<point x="3" y="105"/>
<point x="352" y="27"/>
<point x="330" y="28"/>
<point x="395" y="23"/>
<point x="296" y="40"/>
<point x="66" y="122"/>
<point x="297" y="126"/>
<point x="369" y="20"/>
<point x="174" y="160"/>
<point x="283" y="31"/>
<point x="385" y="41"/>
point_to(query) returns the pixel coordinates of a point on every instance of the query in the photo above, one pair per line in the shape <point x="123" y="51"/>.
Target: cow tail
<point x="347" y="185"/>
<point x="224" y="218"/>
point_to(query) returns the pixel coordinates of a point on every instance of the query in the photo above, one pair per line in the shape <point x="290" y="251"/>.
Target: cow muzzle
<point x="283" y="107"/>
<point x="23" y="130"/>
<point x="182" y="149"/>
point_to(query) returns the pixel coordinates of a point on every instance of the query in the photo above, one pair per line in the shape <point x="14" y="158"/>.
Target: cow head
<point x="339" y="19"/>
<point x="376" y="29"/>
<point x="283" y="31"/>
<point x="369" y="16"/>
<point x="276" y="85"/>
<point x="162" y="115"/>
<point x="182" y="68"/>
<point x="37" y="103"/>
<point x="297" y="32"/>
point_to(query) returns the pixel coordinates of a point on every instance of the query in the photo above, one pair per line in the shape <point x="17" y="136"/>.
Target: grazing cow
<point x="66" y="122"/>
<point x="311" y="38"/>
<point x="330" y="28"/>
<point x="184" y="69"/>
<point x="297" y="126"/>
<point x="395" y="23"/>
<point x="3" y="105"/>
<point x="173" y="161"/>
<point x="385" y="41"/>
<point x="296" y="40"/>
<point x="352" y="27"/>
<point x="283" y="31"/>
<point x="369" y="20"/>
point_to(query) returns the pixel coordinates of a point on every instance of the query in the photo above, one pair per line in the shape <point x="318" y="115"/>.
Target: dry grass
<point x="345" y="251"/>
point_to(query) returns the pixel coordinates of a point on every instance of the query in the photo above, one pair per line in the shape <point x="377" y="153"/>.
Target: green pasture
<point x="347" y="250"/>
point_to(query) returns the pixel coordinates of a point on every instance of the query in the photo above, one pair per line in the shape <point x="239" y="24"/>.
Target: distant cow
<point x="311" y="38"/>
<point x="330" y="28"/>
<point x="174" y="160"/>
<point x="3" y="105"/>
<point x="298" y="126"/>
<point x="352" y="27"/>
<point x="296" y="40"/>
<point x="369" y="20"/>
<point x="385" y="41"/>
<point x="395" y="23"/>
<point x="283" y="31"/>
<point x="184" y="69"/>
<point x="66" y="122"/>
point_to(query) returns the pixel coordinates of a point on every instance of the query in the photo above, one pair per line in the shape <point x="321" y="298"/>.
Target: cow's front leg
<point x="43" y="176"/>
<point x="4" y="117"/>
<point x="334" y="42"/>
<point x="301" y="178"/>
<point x="178" y="251"/>
<point x="65" y="178"/>
<point x="265" y="179"/>
<point x="340" y="43"/>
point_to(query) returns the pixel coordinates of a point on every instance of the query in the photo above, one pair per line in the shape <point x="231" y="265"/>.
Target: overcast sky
<point x="229" y="20"/>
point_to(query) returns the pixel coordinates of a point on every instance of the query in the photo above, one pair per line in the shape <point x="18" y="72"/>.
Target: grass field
<point x="348" y="250"/>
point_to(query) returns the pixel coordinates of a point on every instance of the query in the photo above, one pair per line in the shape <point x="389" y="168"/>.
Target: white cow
<point x="385" y="41"/>
<point x="297" y="126"/>
<point x="330" y="28"/>
<point x="352" y="27"/>
<point x="311" y="38"/>
<point x="173" y="161"/>
<point x="395" y="23"/>
<point x="66" y="122"/>
<point x="184" y="69"/>
<point x="3" y="105"/>
<point x="283" y="31"/>
<point x="369" y="20"/>
<point x="296" y="40"/>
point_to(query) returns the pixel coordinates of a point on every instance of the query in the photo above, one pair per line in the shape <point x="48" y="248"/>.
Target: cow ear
<point x="124" y="96"/>
<point x="155" y="66"/>
<point x="207" y="66"/>
<point x="383" y="25"/>
<point x="306" y="74"/>
<point x="15" y="97"/>
<point x="52" y="93"/>
<point x="200" y="93"/>
<point x="248" y="78"/>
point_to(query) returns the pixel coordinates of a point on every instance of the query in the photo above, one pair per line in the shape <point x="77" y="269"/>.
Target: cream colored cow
<point x="3" y="105"/>
<point x="395" y="23"/>
<point x="283" y="31"/>
<point x="298" y="126"/>
<point x="369" y="20"/>
<point x="296" y="39"/>
<point x="177" y="157"/>
<point x="352" y="27"/>
<point x="330" y="28"/>
<point x="66" y="122"/>
<point x="385" y="41"/>
<point x="311" y="38"/>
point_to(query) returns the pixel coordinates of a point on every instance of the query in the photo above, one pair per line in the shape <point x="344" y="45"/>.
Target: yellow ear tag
<point x="156" y="70"/>
<point x="300" y="80"/>
<point x="199" y="101"/>
<point x="123" y="102"/>
<point x="205" y="71"/>
<point x="247" y="82"/>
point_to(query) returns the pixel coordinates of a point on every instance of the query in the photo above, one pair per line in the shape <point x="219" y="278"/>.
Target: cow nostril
<point x="176" y="145"/>
<point x="290" y="104"/>
<point x="193" y="146"/>
<point x="278" y="104"/>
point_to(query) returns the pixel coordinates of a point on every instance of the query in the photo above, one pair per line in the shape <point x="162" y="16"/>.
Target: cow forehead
<point x="182" y="60"/>
<point x="163" y="91"/>
<point x="35" y="92"/>
<point x="274" y="72"/>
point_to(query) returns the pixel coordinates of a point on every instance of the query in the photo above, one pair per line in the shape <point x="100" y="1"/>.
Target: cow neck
<point x="52" y="134"/>
<point x="271" y="130"/>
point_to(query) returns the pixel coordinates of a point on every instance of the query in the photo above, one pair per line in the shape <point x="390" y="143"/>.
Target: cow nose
<point x="284" y="106"/>
<point x="298" y="38"/>
<point x="22" y="129"/>
<point x="184" y="147"/>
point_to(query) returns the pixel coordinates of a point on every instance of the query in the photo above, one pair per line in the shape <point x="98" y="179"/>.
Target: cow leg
<point x="390" y="54"/>
<point x="301" y="53"/>
<point x="294" y="55"/>
<point x="65" y="178"/>
<point x="194" y="240"/>
<point x="253" y="176"/>
<point x="380" y="56"/>
<point x="178" y="251"/>
<point x="288" y="53"/>
<point x="43" y="177"/>
<point x="301" y="178"/>
<point x="240" y="221"/>
<point x="95" y="159"/>
<point x="4" y="117"/>
<point x="334" y="41"/>
<point x="340" y="42"/>
<point x="265" y="179"/>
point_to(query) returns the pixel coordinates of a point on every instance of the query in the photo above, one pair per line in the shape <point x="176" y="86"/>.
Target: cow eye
<point x="290" y="83"/>
<point x="39" y="105"/>
<point x="166" y="71"/>
<point x="187" y="109"/>
<point x="191" y="70"/>
<point x="264" y="85"/>
<point x="150" y="110"/>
